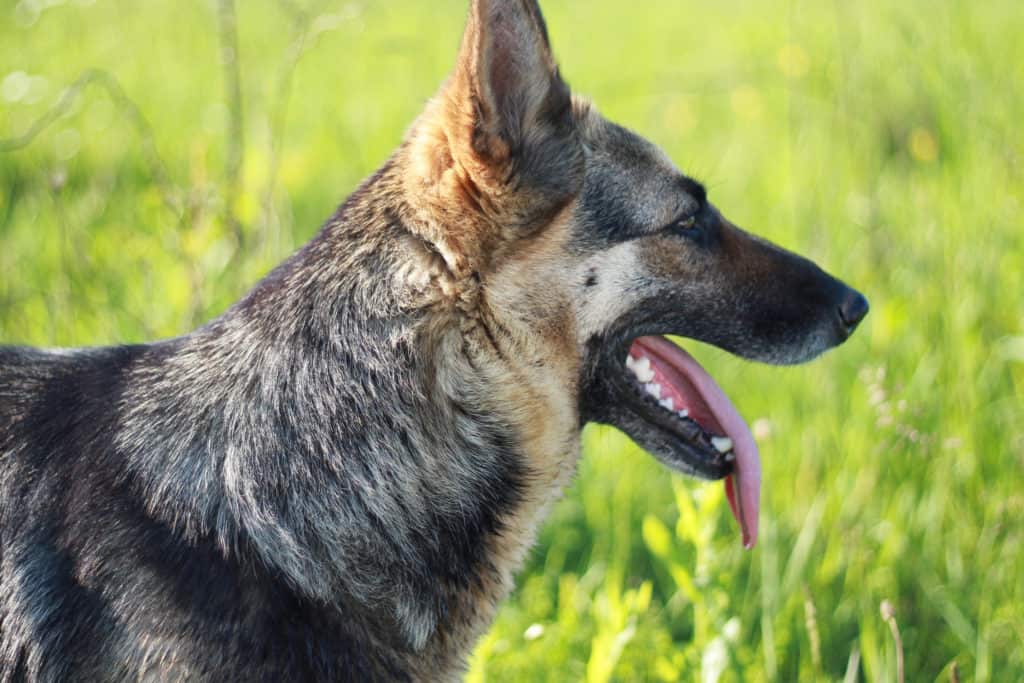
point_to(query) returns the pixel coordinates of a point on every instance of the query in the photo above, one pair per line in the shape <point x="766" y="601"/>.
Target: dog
<point x="338" y="478"/>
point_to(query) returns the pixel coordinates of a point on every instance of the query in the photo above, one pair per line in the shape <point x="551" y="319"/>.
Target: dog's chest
<point x="542" y="410"/>
<point x="542" y="405"/>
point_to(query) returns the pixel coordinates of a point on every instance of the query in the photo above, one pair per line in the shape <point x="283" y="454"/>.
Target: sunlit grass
<point x="880" y="138"/>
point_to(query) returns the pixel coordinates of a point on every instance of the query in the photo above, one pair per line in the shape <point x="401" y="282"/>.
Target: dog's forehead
<point x="631" y="186"/>
<point x="627" y="150"/>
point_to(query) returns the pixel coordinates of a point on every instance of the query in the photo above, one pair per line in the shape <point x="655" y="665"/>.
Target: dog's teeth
<point x="722" y="444"/>
<point x="684" y="413"/>
<point x="730" y="456"/>
<point x="642" y="369"/>
<point x="653" y="389"/>
<point x="631" y="363"/>
<point x="667" y="403"/>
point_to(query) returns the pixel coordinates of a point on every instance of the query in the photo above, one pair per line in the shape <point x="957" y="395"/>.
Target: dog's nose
<point x="852" y="310"/>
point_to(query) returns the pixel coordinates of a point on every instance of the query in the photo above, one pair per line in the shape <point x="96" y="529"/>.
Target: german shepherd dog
<point x="338" y="477"/>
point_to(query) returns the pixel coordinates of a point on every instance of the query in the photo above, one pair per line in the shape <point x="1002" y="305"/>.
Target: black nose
<point x="852" y="310"/>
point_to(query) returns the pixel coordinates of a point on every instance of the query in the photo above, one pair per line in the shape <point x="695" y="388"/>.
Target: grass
<point x="881" y="138"/>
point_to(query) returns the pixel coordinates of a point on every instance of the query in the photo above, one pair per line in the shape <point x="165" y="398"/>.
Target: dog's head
<point x="589" y="235"/>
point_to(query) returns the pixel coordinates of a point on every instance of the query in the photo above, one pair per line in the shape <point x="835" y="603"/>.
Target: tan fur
<point x="514" y="303"/>
<point x="539" y="368"/>
<point x="521" y="343"/>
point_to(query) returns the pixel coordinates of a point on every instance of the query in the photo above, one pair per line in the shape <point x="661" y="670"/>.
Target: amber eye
<point x="687" y="223"/>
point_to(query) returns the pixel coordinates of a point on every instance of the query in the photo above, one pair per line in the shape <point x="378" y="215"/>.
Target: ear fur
<point x="507" y="107"/>
<point x="497" y="154"/>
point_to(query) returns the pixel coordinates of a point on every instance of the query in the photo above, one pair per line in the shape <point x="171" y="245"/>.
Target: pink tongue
<point x="743" y="486"/>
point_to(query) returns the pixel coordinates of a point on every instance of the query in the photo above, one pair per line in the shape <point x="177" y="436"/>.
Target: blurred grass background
<point x="881" y="138"/>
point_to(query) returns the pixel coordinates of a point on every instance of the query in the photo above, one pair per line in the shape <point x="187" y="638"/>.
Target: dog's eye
<point x="685" y="223"/>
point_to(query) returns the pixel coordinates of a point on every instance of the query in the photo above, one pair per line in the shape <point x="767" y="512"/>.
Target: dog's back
<point x="56" y="422"/>
<point x="93" y="587"/>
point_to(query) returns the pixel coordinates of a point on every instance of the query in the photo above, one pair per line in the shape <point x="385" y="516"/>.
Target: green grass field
<point x="881" y="138"/>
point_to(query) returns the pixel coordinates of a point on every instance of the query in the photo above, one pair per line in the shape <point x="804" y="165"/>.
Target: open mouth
<point x="674" y="396"/>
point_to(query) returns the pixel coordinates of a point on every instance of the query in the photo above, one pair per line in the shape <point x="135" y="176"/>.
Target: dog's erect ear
<point x="506" y="93"/>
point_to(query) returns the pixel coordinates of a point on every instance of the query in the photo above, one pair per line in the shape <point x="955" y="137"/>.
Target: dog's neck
<point x="347" y="438"/>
